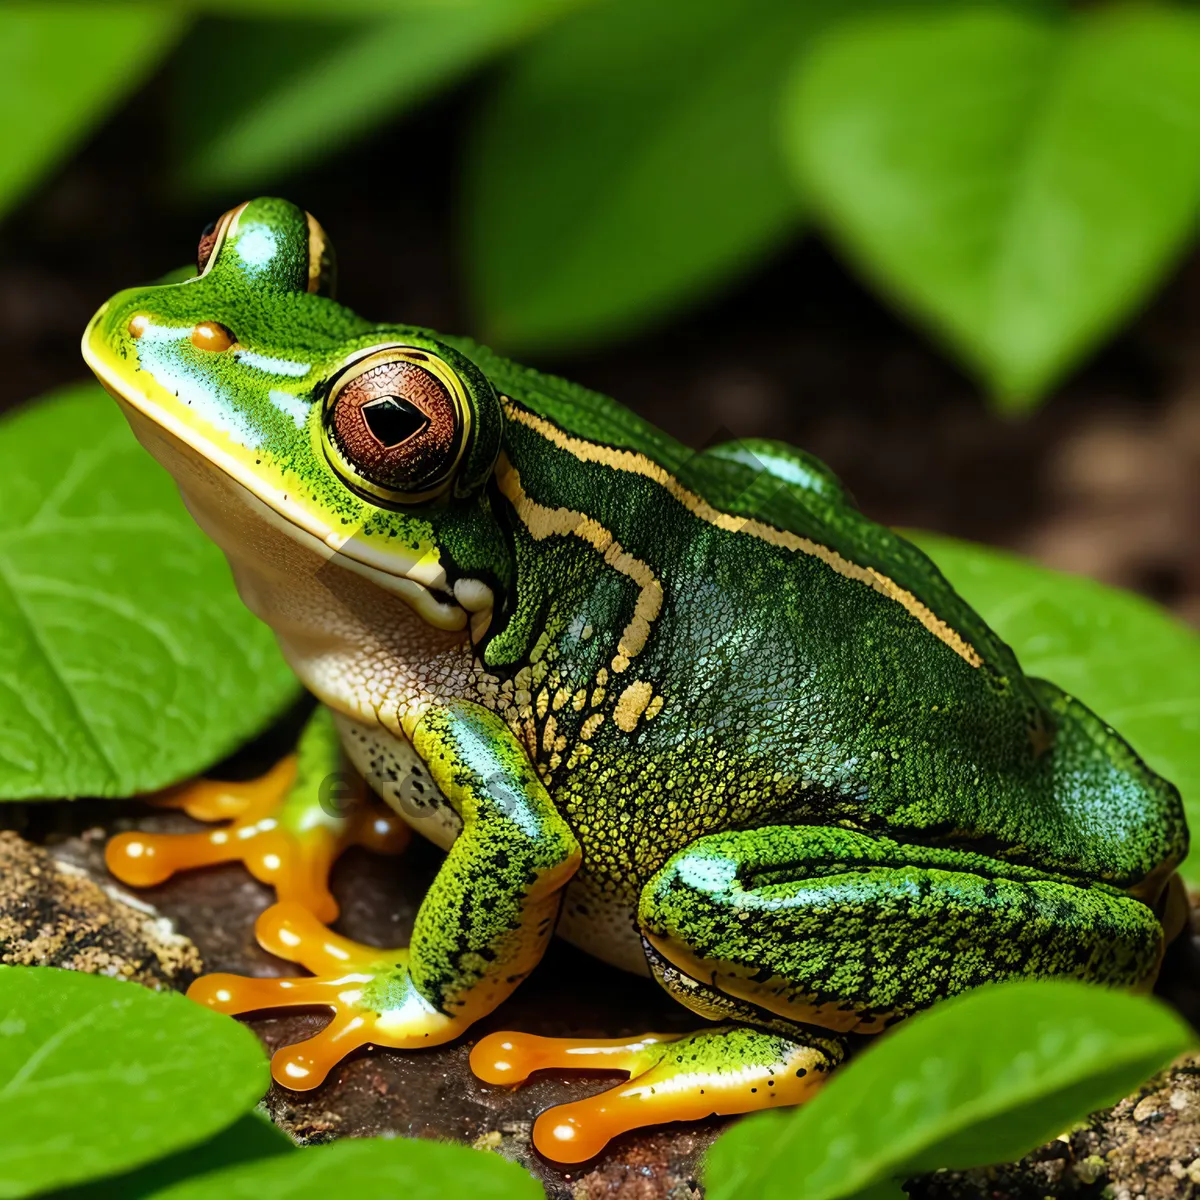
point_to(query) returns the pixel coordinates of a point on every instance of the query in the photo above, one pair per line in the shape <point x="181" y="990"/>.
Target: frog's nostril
<point x="138" y="324"/>
<point x="211" y="335"/>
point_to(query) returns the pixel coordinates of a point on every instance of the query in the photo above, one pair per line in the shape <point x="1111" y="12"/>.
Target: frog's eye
<point x="208" y="239"/>
<point x="211" y="237"/>
<point x="322" y="265"/>
<point x="276" y="244"/>
<point x="395" y="423"/>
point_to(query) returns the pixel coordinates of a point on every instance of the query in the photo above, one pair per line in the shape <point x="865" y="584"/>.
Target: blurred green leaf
<point x="127" y="661"/>
<point x="325" y="8"/>
<point x="980" y="1079"/>
<point x="98" y="1075"/>
<point x="1124" y="657"/>
<point x="249" y="1139"/>
<point x="629" y="161"/>
<point x="257" y="99"/>
<point x="369" y="1169"/>
<point x="63" y="67"/>
<point x="1018" y="182"/>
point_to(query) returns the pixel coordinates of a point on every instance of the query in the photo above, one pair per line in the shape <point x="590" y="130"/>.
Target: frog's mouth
<point x="169" y="431"/>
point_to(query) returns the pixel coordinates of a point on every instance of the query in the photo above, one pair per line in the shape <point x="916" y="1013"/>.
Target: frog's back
<point x="781" y="658"/>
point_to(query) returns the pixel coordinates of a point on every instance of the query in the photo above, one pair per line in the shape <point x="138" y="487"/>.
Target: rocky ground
<point x="1103" y="480"/>
<point x="58" y="905"/>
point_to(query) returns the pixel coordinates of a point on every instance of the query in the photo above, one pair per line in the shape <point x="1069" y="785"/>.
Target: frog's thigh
<point x="833" y="928"/>
<point x="481" y="928"/>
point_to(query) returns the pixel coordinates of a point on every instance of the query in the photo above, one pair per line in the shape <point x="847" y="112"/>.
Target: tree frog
<point x="692" y="711"/>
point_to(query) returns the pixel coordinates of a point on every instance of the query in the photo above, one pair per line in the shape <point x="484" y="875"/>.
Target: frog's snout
<point x="93" y="336"/>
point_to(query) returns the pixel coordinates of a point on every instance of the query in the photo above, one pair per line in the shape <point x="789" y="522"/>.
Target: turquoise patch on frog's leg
<point x="288" y="826"/>
<point x="490" y="912"/>
<point x="837" y="929"/>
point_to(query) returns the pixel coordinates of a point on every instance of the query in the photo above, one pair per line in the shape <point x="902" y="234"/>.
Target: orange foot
<point x="368" y="990"/>
<point x="278" y="828"/>
<point x="673" y="1077"/>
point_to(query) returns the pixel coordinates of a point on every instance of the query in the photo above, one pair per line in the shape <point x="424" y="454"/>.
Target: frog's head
<point x="277" y="409"/>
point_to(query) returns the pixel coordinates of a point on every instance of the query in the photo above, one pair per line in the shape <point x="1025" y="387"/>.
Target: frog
<point x="690" y="710"/>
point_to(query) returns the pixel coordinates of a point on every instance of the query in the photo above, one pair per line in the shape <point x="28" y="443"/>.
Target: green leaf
<point x="323" y="8"/>
<point x="979" y="1079"/>
<point x="369" y="1169"/>
<point x="249" y="1139"/>
<point x="291" y="91"/>
<point x="1124" y="657"/>
<point x="63" y="67"/>
<point x="127" y="661"/>
<point x="1020" y="183"/>
<point x="629" y="162"/>
<point x="98" y="1075"/>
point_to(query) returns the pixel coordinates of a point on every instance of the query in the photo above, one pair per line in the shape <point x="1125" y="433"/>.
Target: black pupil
<point x="393" y="419"/>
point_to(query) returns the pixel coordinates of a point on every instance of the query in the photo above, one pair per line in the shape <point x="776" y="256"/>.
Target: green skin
<point x="828" y="817"/>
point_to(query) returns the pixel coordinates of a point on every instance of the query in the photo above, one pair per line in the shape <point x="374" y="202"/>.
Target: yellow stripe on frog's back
<point x="544" y="522"/>
<point x="638" y="464"/>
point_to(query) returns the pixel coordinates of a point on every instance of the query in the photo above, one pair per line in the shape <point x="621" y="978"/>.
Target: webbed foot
<point x="718" y="1071"/>
<point x="369" y="991"/>
<point x="278" y="827"/>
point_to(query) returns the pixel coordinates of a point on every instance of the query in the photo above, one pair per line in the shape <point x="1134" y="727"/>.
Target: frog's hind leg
<point x="284" y="826"/>
<point x="722" y="1070"/>
<point x="804" y="935"/>
<point x="838" y="929"/>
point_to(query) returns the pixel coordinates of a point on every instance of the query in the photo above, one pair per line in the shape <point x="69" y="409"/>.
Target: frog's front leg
<point x="282" y="826"/>
<point x="806" y="934"/>
<point x="481" y="928"/>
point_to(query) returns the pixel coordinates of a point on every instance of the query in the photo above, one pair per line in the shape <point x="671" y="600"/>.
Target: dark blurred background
<point x="1096" y="473"/>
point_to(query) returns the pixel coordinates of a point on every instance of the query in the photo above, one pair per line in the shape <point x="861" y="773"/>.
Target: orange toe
<point x="673" y="1077"/>
<point x="291" y="931"/>
<point x="226" y="800"/>
<point x="235" y="995"/>
<point x="510" y="1058"/>
<point x="307" y="1064"/>
<point x="368" y="991"/>
<point x="147" y="859"/>
<point x="574" y="1132"/>
<point x="279" y="831"/>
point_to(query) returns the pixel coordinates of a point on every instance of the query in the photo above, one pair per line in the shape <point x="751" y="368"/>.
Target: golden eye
<point x="209" y="335"/>
<point x="395" y="423"/>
